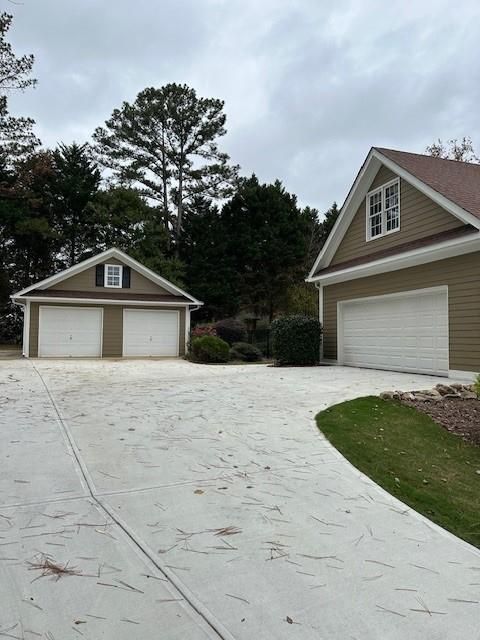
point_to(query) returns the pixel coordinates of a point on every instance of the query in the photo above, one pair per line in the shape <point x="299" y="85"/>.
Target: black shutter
<point x="126" y="277"/>
<point x="100" y="275"/>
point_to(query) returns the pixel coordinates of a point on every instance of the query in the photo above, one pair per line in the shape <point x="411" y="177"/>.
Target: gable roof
<point x="91" y="262"/>
<point x="455" y="186"/>
<point x="457" y="181"/>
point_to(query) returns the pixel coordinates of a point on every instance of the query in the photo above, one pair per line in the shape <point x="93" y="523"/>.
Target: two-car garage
<point x="403" y="332"/>
<point x="65" y="331"/>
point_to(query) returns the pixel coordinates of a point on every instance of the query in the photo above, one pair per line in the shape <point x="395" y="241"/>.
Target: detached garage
<point x="107" y="306"/>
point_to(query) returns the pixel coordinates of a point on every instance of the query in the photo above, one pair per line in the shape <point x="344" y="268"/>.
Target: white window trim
<point x="384" y="232"/>
<point x="105" y="277"/>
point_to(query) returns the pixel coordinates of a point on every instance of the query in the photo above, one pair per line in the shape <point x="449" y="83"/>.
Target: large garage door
<point x="69" y="332"/>
<point x="402" y="333"/>
<point x="150" y="333"/>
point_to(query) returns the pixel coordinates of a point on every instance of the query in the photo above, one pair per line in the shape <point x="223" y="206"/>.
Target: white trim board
<point x="375" y="159"/>
<point x="109" y="253"/>
<point x="106" y="301"/>
<point x="442" y="250"/>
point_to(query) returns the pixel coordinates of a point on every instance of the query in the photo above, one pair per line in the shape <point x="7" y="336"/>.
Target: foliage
<point x="454" y="149"/>
<point x="476" y="385"/>
<point x="119" y="218"/>
<point x="327" y="223"/>
<point x="166" y="142"/>
<point x="268" y="238"/>
<point x="16" y="135"/>
<point x="203" y="330"/>
<point x="210" y="272"/>
<point x="296" y="340"/>
<point x="412" y="457"/>
<point x="76" y="181"/>
<point x="210" y="349"/>
<point x="245" y="351"/>
<point x="231" y="330"/>
<point x="302" y="299"/>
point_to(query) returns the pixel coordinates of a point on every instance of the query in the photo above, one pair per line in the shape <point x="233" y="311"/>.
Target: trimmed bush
<point x="210" y="349"/>
<point x="245" y="351"/>
<point x="231" y="330"/>
<point x="296" y="340"/>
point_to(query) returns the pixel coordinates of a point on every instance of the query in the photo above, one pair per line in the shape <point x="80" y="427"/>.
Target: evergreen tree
<point x="327" y="223"/>
<point x="16" y="134"/>
<point x="166" y="142"/>
<point x="268" y="235"/>
<point x="210" y="270"/>
<point x="76" y="182"/>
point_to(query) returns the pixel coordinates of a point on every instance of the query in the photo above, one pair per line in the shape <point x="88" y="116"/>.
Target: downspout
<point x="319" y="286"/>
<point x="187" y="326"/>
<point x="26" y="325"/>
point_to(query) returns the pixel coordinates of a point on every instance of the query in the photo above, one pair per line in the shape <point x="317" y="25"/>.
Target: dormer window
<point x="383" y="210"/>
<point x="113" y="275"/>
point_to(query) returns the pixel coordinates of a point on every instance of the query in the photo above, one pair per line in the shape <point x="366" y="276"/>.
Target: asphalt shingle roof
<point x="457" y="181"/>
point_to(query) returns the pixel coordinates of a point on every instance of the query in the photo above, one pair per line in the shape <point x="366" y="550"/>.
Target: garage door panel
<point x="149" y="333"/>
<point x="70" y="332"/>
<point x="405" y="333"/>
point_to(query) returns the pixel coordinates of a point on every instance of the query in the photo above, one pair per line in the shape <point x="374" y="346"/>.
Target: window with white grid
<point x="383" y="210"/>
<point x="113" y="275"/>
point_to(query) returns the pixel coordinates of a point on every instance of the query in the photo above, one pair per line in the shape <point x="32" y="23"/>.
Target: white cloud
<point x="308" y="86"/>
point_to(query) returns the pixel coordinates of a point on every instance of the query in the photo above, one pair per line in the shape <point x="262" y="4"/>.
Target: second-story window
<point x="113" y="275"/>
<point x="383" y="210"/>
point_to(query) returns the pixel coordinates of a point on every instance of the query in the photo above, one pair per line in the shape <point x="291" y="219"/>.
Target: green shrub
<point x="476" y="385"/>
<point x="245" y="351"/>
<point x="231" y="330"/>
<point x="296" y="340"/>
<point x="210" y="349"/>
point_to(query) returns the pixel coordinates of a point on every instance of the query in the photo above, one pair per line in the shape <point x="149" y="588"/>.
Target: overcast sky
<point x="309" y="85"/>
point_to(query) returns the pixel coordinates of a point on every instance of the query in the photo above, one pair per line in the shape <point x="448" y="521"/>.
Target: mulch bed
<point x="458" y="415"/>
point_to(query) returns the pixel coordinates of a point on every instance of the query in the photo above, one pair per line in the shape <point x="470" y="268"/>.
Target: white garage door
<point x="70" y="332"/>
<point x="150" y="333"/>
<point x="408" y="332"/>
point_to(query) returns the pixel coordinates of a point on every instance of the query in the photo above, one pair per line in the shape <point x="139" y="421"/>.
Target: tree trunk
<point x="73" y="242"/>
<point x="166" y="215"/>
<point x="180" y="204"/>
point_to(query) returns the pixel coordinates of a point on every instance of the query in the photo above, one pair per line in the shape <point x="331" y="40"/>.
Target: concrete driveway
<point x="196" y="502"/>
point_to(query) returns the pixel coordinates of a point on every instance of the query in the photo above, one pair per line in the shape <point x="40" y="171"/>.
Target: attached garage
<point x="149" y="333"/>
<point x="400" y="332"/>
<point x="72" y="332"/>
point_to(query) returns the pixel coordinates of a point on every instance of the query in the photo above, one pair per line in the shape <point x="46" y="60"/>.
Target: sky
<point x="309" y="85"/>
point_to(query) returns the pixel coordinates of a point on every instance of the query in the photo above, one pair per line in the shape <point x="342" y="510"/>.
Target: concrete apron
<point x="215" y="482"/>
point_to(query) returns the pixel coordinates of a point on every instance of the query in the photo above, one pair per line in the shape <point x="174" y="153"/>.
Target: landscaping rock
<point x="440" y="392"/>
<point x="445" y="389"/>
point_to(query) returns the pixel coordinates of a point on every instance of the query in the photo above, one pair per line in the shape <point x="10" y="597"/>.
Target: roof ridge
<point x="426" y="155"/>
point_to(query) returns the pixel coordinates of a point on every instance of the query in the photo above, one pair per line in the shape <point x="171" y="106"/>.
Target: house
<point x="107" y="306"/>
<point x="399" y="276"/>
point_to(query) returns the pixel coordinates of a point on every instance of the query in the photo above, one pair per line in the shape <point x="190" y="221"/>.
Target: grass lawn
<point x="413" y="458"/>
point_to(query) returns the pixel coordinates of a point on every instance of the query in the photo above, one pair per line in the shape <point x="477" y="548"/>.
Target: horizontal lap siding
<point x="461" y="274"/>
<point x="85" y="281"/>
<point x="419" y="217"/>
<point x="112" y="326"/>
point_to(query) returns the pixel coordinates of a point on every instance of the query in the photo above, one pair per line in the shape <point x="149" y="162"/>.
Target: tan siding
<point x="85" y="281"/>
<point x="112" y="326"/>
<point x="461" y="274"/>
<point x="112" y="331"/>
<point x="419" y="217"/>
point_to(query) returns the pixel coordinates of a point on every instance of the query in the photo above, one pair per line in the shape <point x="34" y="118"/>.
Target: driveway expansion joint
<point x="200" y="609"/>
